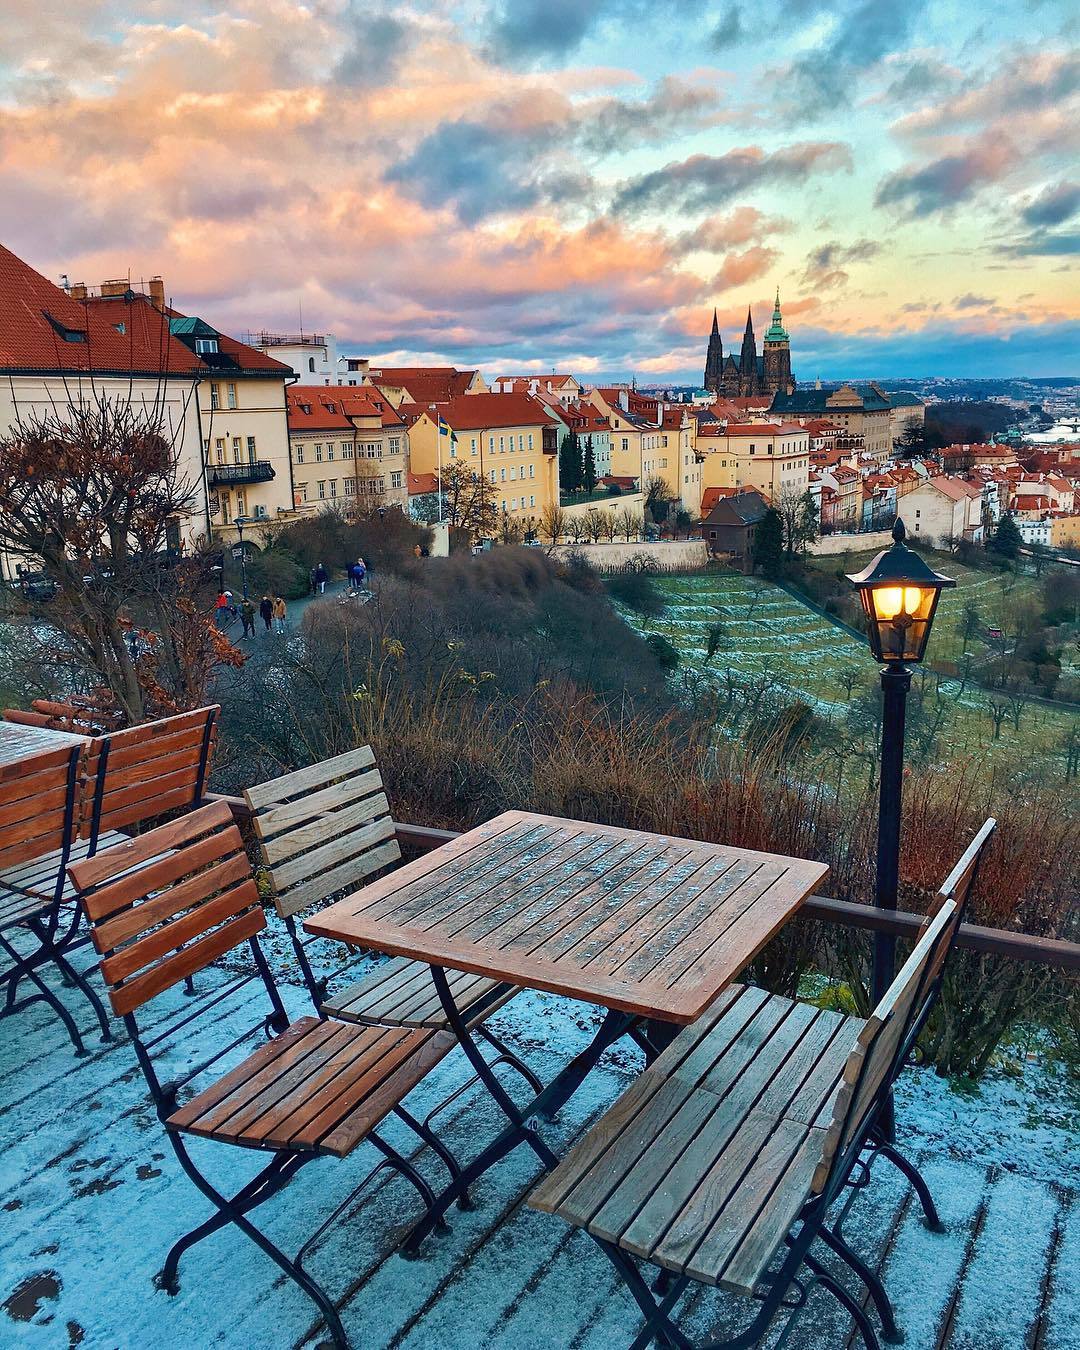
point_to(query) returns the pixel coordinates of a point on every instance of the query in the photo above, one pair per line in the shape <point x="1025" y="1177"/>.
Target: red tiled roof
<point x="43" y="328"/>
<point x="712" y="495"/>
<point x="332" y="407"/>
<point x="420" y="484"/>
<point x="424" y="384"/>
<point x="478" y="412"/>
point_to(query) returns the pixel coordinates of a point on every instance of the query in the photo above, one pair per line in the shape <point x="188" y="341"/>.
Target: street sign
<point x="994" y="632"/>
<point x="237" y="552"/>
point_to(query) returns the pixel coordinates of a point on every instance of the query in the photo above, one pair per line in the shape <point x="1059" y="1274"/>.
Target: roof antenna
<point x="300" y="307"/>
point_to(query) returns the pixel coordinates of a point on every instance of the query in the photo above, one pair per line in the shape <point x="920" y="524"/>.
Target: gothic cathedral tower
<point x="714" y="359"/>
<point x="777" y="355"/>
<point x="748" y="366"/>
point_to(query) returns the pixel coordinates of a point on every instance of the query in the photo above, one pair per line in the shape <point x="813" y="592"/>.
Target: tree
<point x="630" y="523"/>
<point x="553" y="522"/>
<point x="594" y="524"/>
<point x="998" y="709"/>
<point x="588" y="466"/>
<point x="468" y="500"/>
<point x="611" y="525"/>
<point x="94" y="491"/>
<point x="799" y="520"/>
<point x="911" y="443"/>
<point x="570" y="463"/>
<point x="714" y="635"/>
<point x="1007" y="539"/>
<point x="970" y="622"/>
<point x="769" y="543"/>
<point x="511" y="530"/>
<point x="657" y="499"/>
<point x="683" y="521"/>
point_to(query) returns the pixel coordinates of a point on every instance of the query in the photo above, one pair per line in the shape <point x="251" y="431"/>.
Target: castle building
<point x="767" y="373"/>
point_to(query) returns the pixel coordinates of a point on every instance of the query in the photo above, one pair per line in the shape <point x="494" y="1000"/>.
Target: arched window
<point x="311" y="364"/>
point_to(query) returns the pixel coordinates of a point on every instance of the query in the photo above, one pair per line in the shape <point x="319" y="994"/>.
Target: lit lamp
<point x="899" y="595"/>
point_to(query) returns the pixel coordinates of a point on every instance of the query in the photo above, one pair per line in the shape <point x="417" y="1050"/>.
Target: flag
<point x="445" y="429"/>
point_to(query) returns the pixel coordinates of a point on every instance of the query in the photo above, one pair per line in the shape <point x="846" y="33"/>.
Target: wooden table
<point x="19" y="741"/>
<point x="647" y="926"/>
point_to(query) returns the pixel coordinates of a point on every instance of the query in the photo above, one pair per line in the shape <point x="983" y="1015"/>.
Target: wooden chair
<point x="84" y="715"/>
<point x="723" y="1161"/>
<point x="327" y="828"/>
<point x="39" y="806"/>
<point x="166" y="905"/>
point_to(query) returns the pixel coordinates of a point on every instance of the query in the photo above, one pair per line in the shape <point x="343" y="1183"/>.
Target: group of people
<point x="272" y="610"/>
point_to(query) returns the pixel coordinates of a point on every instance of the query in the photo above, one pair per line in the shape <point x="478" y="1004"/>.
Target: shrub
<point x="636" y="590"/>
<point x="276" y="572"/>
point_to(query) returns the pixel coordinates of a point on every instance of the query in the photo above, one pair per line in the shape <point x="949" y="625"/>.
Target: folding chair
<point x="324" y="829"/>
<point x="39" y="810"/>
<point x="723" y="1163"/>
<point x="165" y="906"/>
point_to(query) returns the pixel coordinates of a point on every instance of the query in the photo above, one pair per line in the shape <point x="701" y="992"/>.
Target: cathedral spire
<point x="749" y="323"/>
<point x="715" y="325"/>
<point x="777" y="331"/>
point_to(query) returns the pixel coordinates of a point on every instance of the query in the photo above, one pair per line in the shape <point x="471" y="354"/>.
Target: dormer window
<point x="64" y="332"/>
<point x="206" y="346"/>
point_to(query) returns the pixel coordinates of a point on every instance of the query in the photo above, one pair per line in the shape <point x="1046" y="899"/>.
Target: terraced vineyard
<point x="769" y="636"/>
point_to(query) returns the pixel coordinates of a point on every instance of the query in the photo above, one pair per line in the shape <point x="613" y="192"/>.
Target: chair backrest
<point x="876" y="1055"/>
<point x="144" y="771"/>
<point x="85" y="716"/>
<point x="323" y="828"/>
<point x="165" y="905"/>
<point x="39" y="803"/>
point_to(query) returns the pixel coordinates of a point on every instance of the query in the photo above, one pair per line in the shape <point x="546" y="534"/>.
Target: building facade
<point x="312" y="357"/>
<point x="865" y="414"/>
<point x="349" y="448"/>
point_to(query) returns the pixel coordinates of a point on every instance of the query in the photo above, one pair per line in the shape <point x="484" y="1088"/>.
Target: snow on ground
<point x="91" y="1197"/>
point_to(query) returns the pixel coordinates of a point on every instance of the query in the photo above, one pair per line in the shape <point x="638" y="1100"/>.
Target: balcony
<point x="233" y="475"/>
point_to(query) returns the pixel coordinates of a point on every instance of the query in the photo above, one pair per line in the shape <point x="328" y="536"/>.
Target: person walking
<point x="247" y="618"/>
<point x="320" y="578"/>
<point x="266" y="609"/>
<point x="221" y="610"/>
<point x="280" y="611"/>
<point x="359" y="573"/>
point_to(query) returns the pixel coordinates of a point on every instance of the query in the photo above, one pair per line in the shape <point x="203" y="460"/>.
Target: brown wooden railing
<point x="418" y="839"/>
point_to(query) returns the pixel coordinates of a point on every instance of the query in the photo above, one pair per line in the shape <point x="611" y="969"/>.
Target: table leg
<point x="547" y="1102"/>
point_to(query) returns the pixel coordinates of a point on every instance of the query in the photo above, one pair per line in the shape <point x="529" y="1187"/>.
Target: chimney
<point x="624" y="400"/>
<point x="157" y="292"/>
<point x="119" y="287"/>
<point x="78" y="290"/>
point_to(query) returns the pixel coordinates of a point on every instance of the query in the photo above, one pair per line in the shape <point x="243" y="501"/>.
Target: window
<point x="513" y="472"/>
<point x="491" y="445"/>
<point x="504" y="503"/>
<point x="206" y="448"/>
<point x="318" y="454"/>
<point x="346" y="450"/>
<point x="395" y="445"/>
<point x="237" y="450"/>
<point x="625" y="443"/>
<point x="348" y="487"/>
<point x="532" y="499"/>
<point x="492" y="475"/>
<point x="472" y="445"/>
<point x="530" y="440"/>
<point x="240" y="504"/>
<point x="396" y="476"/>
<point x="219" y="450"/>
<point x="532" y="470"/>
<point x="521" y="442"/>
<point x="322" y="489"/>
<point x="301" y="491"/>
<point x="502" y="475"/>
<point x="502" y="444"/>
<point x="329" y="450"/>
<point x="215" y="396"/>
<point x="299" y="454"/>
<point x="225" y="516"/>
<point x="311" y="364"/>
<point x="205" y="346"/>
<point x="230" y="394"/>
<point x="251" y="449"/>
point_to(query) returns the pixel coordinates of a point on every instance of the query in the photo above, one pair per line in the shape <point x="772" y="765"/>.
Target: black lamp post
<point x="899" y="595"/>
<point x="240" y="522"/>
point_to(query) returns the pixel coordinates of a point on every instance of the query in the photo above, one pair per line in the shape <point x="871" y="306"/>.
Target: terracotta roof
<point x="753" y="429"/>
<point x="332" y="406"/>
<point x="955" y="488"/>
<point x="419" y="484"/>
<point x="479" y="412"/>
<point x="43" y="329"/>
<point x="424" y="384"/>
<point x="712" y="495"/>
<point x="1032" y="502"/>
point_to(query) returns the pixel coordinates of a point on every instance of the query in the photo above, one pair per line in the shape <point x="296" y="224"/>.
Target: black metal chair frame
<point x="283" y="1165"/>
<point x="52" y="946"/>
<point x="849" y="1170"/>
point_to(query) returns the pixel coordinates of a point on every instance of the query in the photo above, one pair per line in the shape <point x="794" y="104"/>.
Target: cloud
<point x="942" y="183"/>
<point x="1042" y="244"/>
<point x="740" y="268"/>
<point x="704" y="181"/>
<point x="603" y="125"/>
<point x="922" y="78"/>
<point x="1027" y="82"/>
<point x="729" y="31"/>
<point x="970" y="301"/>
<point x="1053" y="206"/>
<point x="825" y="264"/>
<point x="718" y="233"/>
<point x="374" y="48"/>
<point x="533" y="30"/>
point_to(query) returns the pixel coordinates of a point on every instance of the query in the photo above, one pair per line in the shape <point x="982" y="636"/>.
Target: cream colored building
<point x="773" y="459"/>
<point x="349" y="448"/>
<point x="866" y="413"/>
<point x="943" y="508"/>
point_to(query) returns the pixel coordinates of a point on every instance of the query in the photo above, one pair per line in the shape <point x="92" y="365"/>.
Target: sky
<point x="528" y="185"/>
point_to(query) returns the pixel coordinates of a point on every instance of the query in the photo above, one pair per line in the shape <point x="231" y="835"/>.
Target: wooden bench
<point x="165" y="906"/>
<point x="750" y="1122"/>
<point x="39" y="804"/>
<point x="325" y="829"/>
<point x="83" y="715"/>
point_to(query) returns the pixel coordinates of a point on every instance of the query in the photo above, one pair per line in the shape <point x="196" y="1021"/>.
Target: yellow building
<point x="349" y="446"/>
<point x="512" y="439"/>
<point x="774" y="459"/>
<point x="422" y="385"/>
<point x="1065" y="531"/>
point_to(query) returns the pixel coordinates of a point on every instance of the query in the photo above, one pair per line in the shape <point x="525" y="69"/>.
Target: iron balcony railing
<point x="255" y="471"/>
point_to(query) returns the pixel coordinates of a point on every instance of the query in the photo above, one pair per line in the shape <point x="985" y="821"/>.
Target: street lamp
<point x="240" y="522"/>
<point x="899" y="595"/>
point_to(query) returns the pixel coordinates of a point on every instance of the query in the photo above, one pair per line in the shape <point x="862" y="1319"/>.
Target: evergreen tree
<point x="570" y="463"/>
<point x="1007" y="539"/>
<point x="588" y="466"/>
<point x="769" y="543"/>
<point x="911" y="443"/>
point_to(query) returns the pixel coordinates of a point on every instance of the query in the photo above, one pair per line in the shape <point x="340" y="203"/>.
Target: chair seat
<point x="402" y="993"/>
<point x="703" y="1165"/>
<point x="319" y="1086"/>
<point x="38" y="876"/>
<point x="16" y="908"/>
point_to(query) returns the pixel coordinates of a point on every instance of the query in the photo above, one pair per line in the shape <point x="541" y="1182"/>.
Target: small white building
<point x="312" y="356"/>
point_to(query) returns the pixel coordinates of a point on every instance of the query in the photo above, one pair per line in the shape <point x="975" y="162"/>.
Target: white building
<point x="312" y="357"/>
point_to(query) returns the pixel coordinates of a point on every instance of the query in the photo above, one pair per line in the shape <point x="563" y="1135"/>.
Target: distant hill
<point x="965" y="422"/>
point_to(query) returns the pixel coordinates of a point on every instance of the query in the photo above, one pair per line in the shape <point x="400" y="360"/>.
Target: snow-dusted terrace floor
<point x="91" y="1197"/>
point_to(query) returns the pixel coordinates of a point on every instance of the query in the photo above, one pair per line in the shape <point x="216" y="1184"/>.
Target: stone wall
<point x="669" y="555"/>
<point x="830" y="544"/>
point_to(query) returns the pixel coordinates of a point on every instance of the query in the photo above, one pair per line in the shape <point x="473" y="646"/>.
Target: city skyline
<point x="522" y="186"/>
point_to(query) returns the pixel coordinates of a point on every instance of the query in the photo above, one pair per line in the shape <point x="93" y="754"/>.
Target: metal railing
<point x="255" y="471"/>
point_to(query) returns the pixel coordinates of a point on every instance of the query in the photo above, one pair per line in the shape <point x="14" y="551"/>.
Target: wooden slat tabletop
<point x="18" y="741"/>
<point x="640" y="922"/>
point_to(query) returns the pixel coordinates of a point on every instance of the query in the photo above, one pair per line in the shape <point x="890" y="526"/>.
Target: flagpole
<point x="438" y="437"/>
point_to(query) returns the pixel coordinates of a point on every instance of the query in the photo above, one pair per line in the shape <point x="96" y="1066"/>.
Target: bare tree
<point x="95" y="492"/>
<point x="468" y="500"/>
<point x="594" y="524"/>
<point x="553" y="522"/>
<point x="630" y="524"/>
<point x="611" y="525"/>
